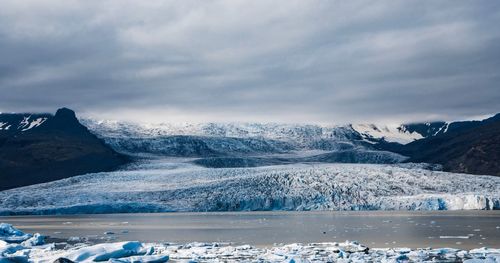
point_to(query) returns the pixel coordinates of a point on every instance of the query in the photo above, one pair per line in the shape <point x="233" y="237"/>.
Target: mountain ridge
<point x="41" y="147"/>
<point x="468" y="147"/>
<point x="57" y="148"/>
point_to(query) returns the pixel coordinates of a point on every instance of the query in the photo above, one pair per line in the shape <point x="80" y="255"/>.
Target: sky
<point x="252" y="61"/>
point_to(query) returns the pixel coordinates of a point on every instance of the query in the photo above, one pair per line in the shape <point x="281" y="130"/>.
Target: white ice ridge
<point x="175" y="186"/>
<point x="298" y="133"/>
<point x="134" y="251"/>
<point x="390" y="133"/>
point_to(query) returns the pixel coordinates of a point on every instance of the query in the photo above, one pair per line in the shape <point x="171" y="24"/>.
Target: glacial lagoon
<point x="413" y="229"/>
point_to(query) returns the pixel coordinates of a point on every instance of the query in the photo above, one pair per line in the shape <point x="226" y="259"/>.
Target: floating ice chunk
<point x="35" y="240"/>
<point x="3" y="244"/>
<point x="6" y="248"/>
<point x="14" y="259"/>
<point x="11" y="234"/>
<point x="454" y="237"/>
<point x="74" y="239"/>
<point x="141" y="259"/>
<point x="484" y="251"/>
<point x="103" y="252"/>
<point x="128" y="252"/>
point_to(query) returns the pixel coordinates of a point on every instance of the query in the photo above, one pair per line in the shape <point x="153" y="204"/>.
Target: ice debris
<point x="33" y="249"/>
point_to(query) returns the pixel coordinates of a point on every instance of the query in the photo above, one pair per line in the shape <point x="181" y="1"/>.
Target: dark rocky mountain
<point x="466" y="146"/>
<point x="37" y="148"/>
<point x="426" y="129"/>
<point x="12" y="123"/>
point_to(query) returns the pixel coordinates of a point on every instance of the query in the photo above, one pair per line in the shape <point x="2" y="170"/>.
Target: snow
<point x="134" y="251"/>
<point x="300" y="136"/>
<point x="236" y="130"/>
<point x="446" y="129"/>
<point x="276" y="131"/>
<point x="160" y="185"/>
<point x="390" y="133"/>
<point x="33" y="124"/>
<point x="22" y="122"/>
<point x="25" y="122"/>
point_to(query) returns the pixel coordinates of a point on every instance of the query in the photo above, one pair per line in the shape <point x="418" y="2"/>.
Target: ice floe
<point x="134" y="251"/>
<point x="10" y="234"/>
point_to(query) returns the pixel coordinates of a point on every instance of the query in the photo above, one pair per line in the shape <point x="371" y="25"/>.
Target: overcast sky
<point x="271" y="61"/>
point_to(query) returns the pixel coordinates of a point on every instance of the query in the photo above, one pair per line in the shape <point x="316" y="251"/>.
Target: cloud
<point x="285" y="61"/>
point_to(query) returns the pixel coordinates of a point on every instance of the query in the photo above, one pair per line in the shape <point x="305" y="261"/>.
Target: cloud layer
<point x="280" y="61"/>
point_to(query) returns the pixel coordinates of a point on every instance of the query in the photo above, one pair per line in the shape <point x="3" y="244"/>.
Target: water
<point x="460" y="229"/>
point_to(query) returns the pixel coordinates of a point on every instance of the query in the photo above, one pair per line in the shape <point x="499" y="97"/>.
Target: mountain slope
<point x="240" y="138"/>
<point x="58" y="147"/>
<point x="468" y="147"/>
<point x="243" y="144"/>
<point x="389" y="133"/>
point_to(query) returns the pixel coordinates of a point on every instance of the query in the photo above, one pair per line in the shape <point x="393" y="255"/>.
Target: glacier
<point x="220" y="139"/>
<point x="173" y="184"/>
<point x="301" y="133"/>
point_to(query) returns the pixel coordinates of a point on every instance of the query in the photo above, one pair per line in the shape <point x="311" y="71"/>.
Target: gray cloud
<point x="285" y="61"/>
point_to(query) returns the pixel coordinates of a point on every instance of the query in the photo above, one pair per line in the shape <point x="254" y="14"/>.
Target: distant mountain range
<point x="463" y="146"/>
<point x="37" y="148"/>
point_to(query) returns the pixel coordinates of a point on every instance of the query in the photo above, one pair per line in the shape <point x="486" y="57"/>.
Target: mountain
<point x="36" y="148"/>
<point x="242" y="138"/>
<point x="12" y="123"/>
<point x="388" y="133"/>
<point x="248" y="144"/>
<point x="466" y="147"/>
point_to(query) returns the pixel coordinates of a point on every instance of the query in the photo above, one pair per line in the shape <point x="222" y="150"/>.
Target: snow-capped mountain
<point x="467" y="146"/>
<point x="427" y="129"/>
<point x="301" y="134"/>
<point x="359" y="143"/>
<point x="337" y="143"/>
<point x="127" y="137"/>
<point x="36" y="148"/>
<point x="215" y="139"/>
<point x="389" y="133"/>
<point x="21" y="122"/>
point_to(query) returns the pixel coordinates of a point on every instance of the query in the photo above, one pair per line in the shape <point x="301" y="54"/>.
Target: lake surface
<point x="460" y="229"/>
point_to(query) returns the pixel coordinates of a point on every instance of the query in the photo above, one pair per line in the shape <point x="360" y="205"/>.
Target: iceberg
<point x="10" y="234"/>
<point x="106" y="251"/>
